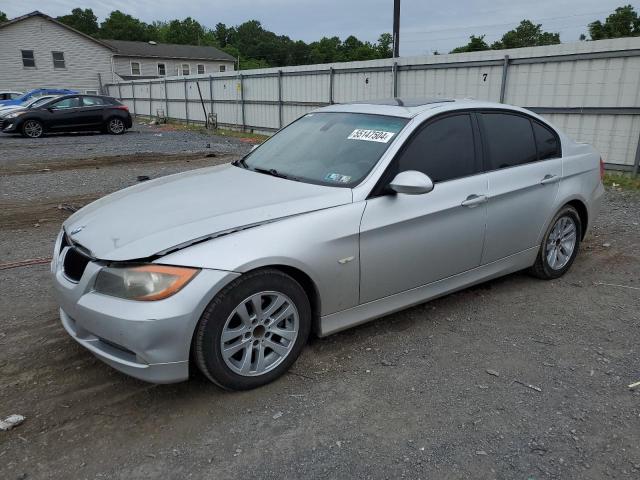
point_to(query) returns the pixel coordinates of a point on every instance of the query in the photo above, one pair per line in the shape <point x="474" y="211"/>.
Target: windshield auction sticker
<point x="371" y="135"/>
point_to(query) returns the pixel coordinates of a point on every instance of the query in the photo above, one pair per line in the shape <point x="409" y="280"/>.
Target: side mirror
<point x="411" y="182"/>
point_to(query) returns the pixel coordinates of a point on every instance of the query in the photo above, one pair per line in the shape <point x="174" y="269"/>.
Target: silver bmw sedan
<point x="348" y="214"/>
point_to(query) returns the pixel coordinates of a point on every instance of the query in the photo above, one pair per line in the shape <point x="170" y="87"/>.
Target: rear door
<point x="92" y="110"/>
<point x="411" y="240"/>
<point x="524" y="166"/>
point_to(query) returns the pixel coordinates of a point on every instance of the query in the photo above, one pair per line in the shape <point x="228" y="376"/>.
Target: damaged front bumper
<point x="148" y="340"/>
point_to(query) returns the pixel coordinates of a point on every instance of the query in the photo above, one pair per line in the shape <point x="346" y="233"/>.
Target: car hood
<point x="174" y="211"/>
<point x="6" y="110"/>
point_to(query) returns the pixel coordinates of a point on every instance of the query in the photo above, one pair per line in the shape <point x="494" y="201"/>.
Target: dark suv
<point x="69" y="113"/>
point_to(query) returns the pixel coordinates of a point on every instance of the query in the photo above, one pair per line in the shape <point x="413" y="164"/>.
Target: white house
<point x="37" y="51"/>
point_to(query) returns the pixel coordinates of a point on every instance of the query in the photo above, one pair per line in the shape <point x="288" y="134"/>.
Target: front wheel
<point x="115" y="126"/>
<point x="253" y="331"/>
<point x="559" y="245"/>
<point x="32" y="129"/>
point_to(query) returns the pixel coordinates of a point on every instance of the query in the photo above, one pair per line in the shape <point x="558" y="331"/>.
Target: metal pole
<point x="150" y="97"/>
<point x="206" y="118"/>
<point x="242" y="100"/>
<point x="331" y="73"/>
<point x="119" y="91"/>
<point x="394" y="69"/>
<point x="396" y="28"/>
<point x="636" y="165"/>
<point x="166" y="101"/>
<point x="280" y="98"/>
<point x="186" y="102"/>
<point x="503" y="85"/>
<point x="211" y="93"/>
<point x="100" y="84"/>
<point x="133" y="94"/>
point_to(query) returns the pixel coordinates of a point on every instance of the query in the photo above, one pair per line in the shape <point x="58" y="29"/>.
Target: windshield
<point x="336" y="149"/>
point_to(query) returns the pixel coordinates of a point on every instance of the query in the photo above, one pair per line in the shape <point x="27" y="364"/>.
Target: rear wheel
<point x="253" y="331"/>
<point x="32" y="129"/>
<point x="560" y="245"/>
<point x="115" y="126"/>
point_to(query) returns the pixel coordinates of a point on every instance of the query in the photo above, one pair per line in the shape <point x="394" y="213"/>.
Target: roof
<point x="37" y="13"/>
<point x="167" y="50"/>
<point x="409" y="108"/>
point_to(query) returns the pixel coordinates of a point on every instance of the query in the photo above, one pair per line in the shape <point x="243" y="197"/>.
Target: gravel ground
<point x="139" y="140"/>
<point x="406" y="396"/>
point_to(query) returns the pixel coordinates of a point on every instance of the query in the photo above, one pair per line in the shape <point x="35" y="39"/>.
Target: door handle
<point x="548" y="179"/>
<point x="473" y="200"/>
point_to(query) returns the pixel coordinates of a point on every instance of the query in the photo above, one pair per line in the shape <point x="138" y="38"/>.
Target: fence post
<point x="503" y="85"/>
<point x="242" y="101"/>
<point x="331" y="73"/>
<point x="133" y="94"/>
<point x="211" y="93"/>
<point x="394" y="69"/>
<point x="166" y="101"/>
<point x="186" y="102"/>
<point x="150" y="97"/>
<point x="636" y="165"/>
<point x="119" y="91"/>
<point x="279" y="98"/>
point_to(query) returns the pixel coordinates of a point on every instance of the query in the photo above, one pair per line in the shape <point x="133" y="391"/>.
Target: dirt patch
<point x="97" y="162"/>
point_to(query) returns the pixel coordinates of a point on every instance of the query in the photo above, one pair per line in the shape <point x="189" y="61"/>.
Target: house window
<point x="162" y="69"/>
<point x="28" y="59"/>
<point x="223" y="68"/>
<point x="201" y="69"/>
<point x="185" y="69"/>
<point x="58" y="59"/>
<point x="135" y="68"/>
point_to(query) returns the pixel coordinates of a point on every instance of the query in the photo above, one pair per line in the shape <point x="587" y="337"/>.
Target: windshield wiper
<point x="240" y="162"/>
<point x="270" y="171"/>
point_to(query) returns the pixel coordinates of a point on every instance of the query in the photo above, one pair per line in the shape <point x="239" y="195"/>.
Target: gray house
<point x="37" y="51"/>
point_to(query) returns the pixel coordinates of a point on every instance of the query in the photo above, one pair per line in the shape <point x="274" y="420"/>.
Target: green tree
<point x="385" y="45"/>
<point x="120" y="26"/>
<point x="3" y="17"/>
<point x="82" y="20"/>
<point x="476" y="44"/>
<point x="186" y="32"/>
<point x="623" y="22"/>
<point x="527" y="34"/>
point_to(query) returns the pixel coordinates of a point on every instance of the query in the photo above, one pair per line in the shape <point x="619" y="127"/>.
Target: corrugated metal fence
<point x="591" y="90"/>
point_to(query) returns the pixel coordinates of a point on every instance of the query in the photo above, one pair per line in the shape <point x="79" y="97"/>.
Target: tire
<point x="32" y="129"/>
<point x="549" y="265"/>
<point x="115" y="126"/>
<point x="246" y="359"/>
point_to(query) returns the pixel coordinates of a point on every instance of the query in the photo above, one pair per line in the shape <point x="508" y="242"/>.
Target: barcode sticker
<point x="371" y="135"/>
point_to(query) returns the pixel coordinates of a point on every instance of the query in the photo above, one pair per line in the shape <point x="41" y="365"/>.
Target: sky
<point x="425" y="25"/>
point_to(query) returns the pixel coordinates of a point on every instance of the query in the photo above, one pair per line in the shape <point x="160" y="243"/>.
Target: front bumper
<point x="8" y="125"/>
<point x="147" y="340"/>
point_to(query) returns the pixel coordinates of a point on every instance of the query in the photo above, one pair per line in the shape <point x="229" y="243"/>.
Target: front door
<point x="63" y="114"/>
<point x="411" y="240"/>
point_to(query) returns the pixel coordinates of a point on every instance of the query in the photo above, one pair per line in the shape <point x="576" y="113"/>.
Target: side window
<point x="58" y="59"/>
<point x="201" y="69"/>
<point x="223" y="68"/>
<point x="443" y="150"/>
<point x="135" y="68"/>
<point x="547" y="142"/>
<point x="28" y="60"/>
<point x="510" y="140"/>
<point x="91" y="101"/>
<point x="162" y="69"/>
<point x="71" y="102"/>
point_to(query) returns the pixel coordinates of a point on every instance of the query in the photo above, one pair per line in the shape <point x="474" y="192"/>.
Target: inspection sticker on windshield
<point x="371" y="135"/>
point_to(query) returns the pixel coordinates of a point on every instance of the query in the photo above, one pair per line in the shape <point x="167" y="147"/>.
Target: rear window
<point x="546" y="141"/>
<point x="509" y="139"/>
<point x="90" y="101"/>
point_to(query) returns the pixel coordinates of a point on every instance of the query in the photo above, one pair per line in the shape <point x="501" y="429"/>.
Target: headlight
<point x="146" y="282"/>
<point x="14" y="114"/>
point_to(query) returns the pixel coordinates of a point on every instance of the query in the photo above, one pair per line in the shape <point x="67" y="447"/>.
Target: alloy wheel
<point x="260" y="333"/>
<point x="33" y="129"/>
<point x="116" y="125"/>
<point x="561" y="243"/>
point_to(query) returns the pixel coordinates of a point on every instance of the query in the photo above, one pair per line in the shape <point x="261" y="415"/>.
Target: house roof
<point x="37" y="13"/>
<point x="139" y="49"/>
<point x="167" y="50"/>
